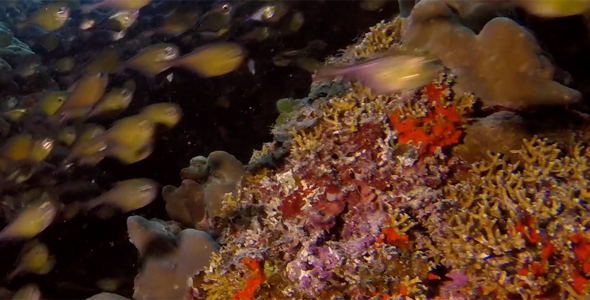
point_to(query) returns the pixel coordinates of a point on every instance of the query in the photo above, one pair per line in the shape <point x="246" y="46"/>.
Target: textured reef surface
<point x="473" y="186"/>
<point x="434" y="193"/>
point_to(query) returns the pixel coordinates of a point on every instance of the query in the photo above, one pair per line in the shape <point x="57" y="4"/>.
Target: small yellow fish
<point x="153" y="59"/>
<point x="213" y="59"/>
<point x="105" y="62"/>
<point x="49" y="17"/>
<point x="133" y="132"/>
<point x="28" y="69"/>
<point x="85" y="93"/>
<point x="41" y="149"/>
<point x="51" y="102"/>
<point x="258" y="34"/>
<point x="131" y="155"/>
<point x="296" y="22"/>
<point x="119" y="21"/>
<point x="18" y="147"/>
<point x="178" y="22"/>
<point x="308" y="64"/>
<point x="15" y="114"/>
<point x="271" y="12"/>
<point x="34" y="258"/>
<point x="127" y="195"/>
<point x="554" y="8"/>
<point x="165" y="113"/>
<point x="31" y="220"/>
<point x="67" y="135"/>
<point x="89" y="147"/>
<point x="63" y="65"/>
<point x="112" y="103"/>
<point x="28" y="292"/>
<point x="217" y="20"/>
<point x="115" y="4"/>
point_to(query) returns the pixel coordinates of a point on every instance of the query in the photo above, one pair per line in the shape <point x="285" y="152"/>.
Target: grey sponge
<point x="502" y="65"/>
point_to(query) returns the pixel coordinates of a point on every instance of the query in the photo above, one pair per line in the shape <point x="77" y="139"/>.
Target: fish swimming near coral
<point x="213" y="60"/>
<point x="387" y="73"/>
<point x="128" y="195"/>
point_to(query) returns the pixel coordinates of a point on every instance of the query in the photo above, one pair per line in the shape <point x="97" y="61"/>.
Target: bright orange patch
<point x="254" y="281"/>
<point x="438" y="128"/>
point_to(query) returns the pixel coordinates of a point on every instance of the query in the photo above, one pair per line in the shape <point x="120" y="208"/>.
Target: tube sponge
<point x="503" y="65"/>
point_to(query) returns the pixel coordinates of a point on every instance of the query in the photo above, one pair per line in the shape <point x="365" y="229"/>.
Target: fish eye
<point x="226" y="7"/>
<point x="60" y="99"/>
<point x="62" y="10"/>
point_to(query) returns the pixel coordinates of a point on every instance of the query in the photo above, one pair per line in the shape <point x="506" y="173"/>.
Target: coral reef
<point x="412" y="195"/>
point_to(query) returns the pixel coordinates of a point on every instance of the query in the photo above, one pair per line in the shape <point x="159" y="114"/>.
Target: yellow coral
<point x="502" y="220"/>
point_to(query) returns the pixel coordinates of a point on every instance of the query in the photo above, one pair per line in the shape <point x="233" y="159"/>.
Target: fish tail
<point x="327" y="73"/>
<point x="88" y="206"/>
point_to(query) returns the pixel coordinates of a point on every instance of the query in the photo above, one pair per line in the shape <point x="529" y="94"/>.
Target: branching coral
<point x="515" y="228"/>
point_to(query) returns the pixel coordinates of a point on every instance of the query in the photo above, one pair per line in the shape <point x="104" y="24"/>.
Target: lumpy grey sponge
<point x="502" y="65"/>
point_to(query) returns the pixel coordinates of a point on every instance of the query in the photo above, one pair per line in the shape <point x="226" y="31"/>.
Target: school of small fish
<point x="78" y="122"/>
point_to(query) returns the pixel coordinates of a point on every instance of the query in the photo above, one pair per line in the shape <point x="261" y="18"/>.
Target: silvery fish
<point x="388" y="73"/>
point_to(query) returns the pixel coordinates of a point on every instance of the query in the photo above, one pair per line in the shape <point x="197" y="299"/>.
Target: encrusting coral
<point x="364" y="196"/>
